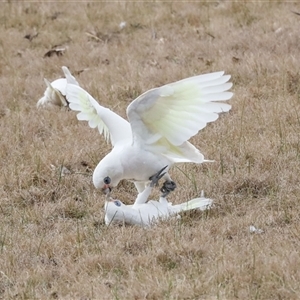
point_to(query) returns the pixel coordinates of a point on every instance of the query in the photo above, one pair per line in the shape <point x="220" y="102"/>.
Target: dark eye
<point x="117" y="203"/>
<point x="106" y="180"/>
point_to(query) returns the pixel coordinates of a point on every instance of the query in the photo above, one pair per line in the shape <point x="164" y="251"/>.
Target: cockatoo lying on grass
<point x="146" y="214"/>
<point x="55" y="93"/>
<point x="161" y="121"/>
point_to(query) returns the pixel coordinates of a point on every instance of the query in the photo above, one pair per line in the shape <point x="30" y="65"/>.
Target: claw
<point x="155" y="178"/>
<point x="167" y="187"/>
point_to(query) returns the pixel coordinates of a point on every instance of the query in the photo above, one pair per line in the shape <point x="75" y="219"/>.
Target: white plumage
<point x="146" y="214"/>
<point x="161" y="121"/>
<point x="55" y="93"/>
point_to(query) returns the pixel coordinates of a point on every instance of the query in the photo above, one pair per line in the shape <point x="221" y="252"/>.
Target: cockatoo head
<point x="115" y="210"/>
<point x="107" y="174"/>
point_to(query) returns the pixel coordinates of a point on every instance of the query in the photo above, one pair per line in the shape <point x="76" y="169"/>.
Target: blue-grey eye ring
<point x="107" y="180"/>
<point x="117" y="203"/>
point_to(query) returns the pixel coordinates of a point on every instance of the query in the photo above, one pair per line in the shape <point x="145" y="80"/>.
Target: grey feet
<point x="168" y="186"/>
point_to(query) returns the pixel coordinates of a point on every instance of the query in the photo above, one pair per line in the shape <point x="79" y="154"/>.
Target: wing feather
<point x="216" y="97"/>
<point x="69" y="77"/>
<point x="217" y="89"/>
<point x="54" y="94"/>
<point x="56" y="90"/>
<point x="177" y="111"/>
<point x="111" y="125"/>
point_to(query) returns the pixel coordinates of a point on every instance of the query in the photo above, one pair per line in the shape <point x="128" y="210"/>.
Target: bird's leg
<point x="140" y="186"/>
<point x="144" y="195"/>
<point x="168" y="186"/>
<point x="155" y="178"/>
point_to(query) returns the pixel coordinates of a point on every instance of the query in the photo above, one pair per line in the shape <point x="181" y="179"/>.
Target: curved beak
<point x="106" y="189"/>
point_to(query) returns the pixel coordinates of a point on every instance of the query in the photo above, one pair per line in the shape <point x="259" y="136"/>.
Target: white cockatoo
<point x="161" y="121"/>
<point x="145" y="213"/>
<point x="55" y="93"/>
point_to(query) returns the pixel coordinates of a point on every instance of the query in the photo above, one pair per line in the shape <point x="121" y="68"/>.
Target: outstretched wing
<point x="177" y="111"/>
<point x="113" y="127"/>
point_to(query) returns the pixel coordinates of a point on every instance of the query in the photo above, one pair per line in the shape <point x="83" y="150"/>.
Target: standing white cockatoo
<point x="145" y="213"/>
<point x="161" y="121"/>
<point x="55" y="93"/>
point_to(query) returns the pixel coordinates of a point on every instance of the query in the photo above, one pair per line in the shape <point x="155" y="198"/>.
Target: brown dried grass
<point x="53" y="242"/>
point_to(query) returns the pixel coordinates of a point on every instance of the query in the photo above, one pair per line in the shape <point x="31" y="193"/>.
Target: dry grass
<point x="53" y="242"/>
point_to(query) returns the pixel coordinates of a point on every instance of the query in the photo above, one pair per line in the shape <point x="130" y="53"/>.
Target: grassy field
<point x="53" y="240"/>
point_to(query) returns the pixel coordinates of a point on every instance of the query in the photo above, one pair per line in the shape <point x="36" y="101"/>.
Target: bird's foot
<point x="155" y="178"/>
<point x="168" y="186"/>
